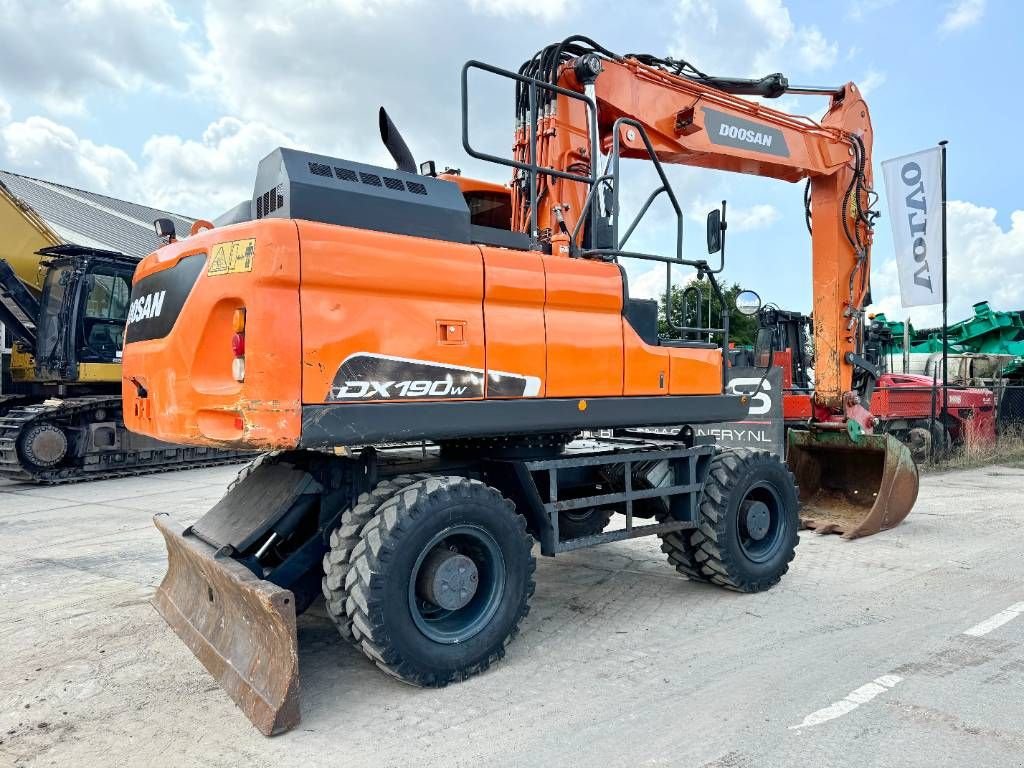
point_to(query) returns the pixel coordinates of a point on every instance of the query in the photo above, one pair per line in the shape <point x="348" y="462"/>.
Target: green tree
<point x="742" y="328"/>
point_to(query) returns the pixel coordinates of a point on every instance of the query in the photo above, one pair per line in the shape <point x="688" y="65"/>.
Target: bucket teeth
<point x="240" y="627"/>
<point x="852" y="488"/>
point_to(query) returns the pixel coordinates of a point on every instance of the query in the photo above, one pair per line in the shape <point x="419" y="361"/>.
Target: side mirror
<point x="748" y="303"/>
<point x="714" y="231"/>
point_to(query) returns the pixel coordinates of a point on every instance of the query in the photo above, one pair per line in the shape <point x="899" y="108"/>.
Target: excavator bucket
<point x="852" y="488"/>
<point x="240" y="627"/>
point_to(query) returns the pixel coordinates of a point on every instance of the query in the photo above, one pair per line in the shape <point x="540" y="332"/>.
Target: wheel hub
<point x="448" y="579"/>
<point x="758" y="519"/>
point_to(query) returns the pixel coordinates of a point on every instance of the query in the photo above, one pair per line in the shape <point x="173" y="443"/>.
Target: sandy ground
<point x="858" y="658"/>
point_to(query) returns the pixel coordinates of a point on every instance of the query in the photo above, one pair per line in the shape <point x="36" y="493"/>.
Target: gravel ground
<point x="860" y="657"/>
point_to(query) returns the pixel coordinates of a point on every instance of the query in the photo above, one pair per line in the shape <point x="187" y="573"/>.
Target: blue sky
<point x="173" y="104"/>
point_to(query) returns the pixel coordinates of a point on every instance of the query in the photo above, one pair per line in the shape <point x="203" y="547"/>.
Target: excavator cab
<point x="74" y="330"/>
<point x="93" y="289"/>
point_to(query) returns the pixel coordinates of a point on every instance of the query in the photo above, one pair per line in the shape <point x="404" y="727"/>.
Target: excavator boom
<point x="647" y="108"/>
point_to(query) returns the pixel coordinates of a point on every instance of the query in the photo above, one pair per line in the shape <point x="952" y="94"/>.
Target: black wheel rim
<point x="459" y="625"/>
<point x="761" y="522"/>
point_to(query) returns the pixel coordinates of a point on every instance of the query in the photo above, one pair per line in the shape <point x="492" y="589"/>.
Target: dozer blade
<point x="241" y="628"/>
<point x="852" y="488"/>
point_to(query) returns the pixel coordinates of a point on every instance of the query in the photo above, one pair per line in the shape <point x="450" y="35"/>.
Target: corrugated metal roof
<point x="87" y="218"/>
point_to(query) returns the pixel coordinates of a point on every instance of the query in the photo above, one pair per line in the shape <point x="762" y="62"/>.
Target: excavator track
<point x="19" y="414"/>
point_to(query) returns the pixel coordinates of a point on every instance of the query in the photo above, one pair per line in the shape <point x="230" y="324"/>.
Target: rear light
<point x="238" y="344"/>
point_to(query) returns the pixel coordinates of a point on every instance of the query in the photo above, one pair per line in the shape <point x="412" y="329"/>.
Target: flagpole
<point x="945" y="296"/>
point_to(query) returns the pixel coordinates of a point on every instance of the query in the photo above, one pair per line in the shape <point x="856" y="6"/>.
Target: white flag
<point x="913" y="184"/>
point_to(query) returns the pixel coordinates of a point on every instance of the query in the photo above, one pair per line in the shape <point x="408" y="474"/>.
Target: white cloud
<point x="650" y="284"/>
<point x="872" y="81"/>
<point x="985" y="262"/>
<point x="65" y="54"/>
<point x="40" y="147"/>
<point x="748" y="38"/>
<point x="209" y="175"/>
<point x="548" y="11"/>
<point x="199" y="177"/>
<point x="816" y="52"/>
<point x="757" y="216"/>
<point x="961" y="15"/>
<point x="863" y="8"/>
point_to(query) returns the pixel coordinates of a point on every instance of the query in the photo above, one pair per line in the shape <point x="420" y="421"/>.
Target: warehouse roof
<point x="86" y="218"/>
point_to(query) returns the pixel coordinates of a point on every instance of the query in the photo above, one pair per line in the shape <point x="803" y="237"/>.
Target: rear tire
<point x="682" y="553"/>
<point x="748" y="524"/>
<point x="337" y="561"/>
<point x="418" y="533"/>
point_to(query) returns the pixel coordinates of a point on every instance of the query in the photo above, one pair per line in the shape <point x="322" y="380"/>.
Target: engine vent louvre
<point x="270" y="201"/>
<point x="395" y="184"/>
<point x="319" y="169"/>
<point x="416" y="188"/>
<point x="345" y="174"/>
<point x="370" y="178"/>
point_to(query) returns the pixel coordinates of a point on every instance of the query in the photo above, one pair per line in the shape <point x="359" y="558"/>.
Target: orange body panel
<point x="514" y="313"/>
<point x="371" y="292"/>
<point x="192" y="397"/>
<point x="695" y="371"/>
<point x="555" y="324"/>
<point x="583" y="314"/>
<point x="646" y="367"/>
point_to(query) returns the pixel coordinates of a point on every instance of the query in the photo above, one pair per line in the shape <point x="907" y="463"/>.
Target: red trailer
<point x="907" y="406"/>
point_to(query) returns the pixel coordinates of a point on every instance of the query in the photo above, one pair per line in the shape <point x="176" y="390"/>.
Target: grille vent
<point x="345" y="174"/>
<point x="372" y="179"/>
<point x="270" y="201"/>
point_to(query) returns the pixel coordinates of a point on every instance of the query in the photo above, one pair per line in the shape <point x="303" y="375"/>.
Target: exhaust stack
<point x="396" y="144"/>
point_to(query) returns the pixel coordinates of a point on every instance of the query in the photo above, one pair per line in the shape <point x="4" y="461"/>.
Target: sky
<point x="173" y="104"/>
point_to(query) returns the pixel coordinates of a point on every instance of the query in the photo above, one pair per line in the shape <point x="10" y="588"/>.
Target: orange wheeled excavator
<point x="419" y="353"/>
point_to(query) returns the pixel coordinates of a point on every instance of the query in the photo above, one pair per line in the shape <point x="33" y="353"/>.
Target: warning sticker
<point x="231" y="257"/>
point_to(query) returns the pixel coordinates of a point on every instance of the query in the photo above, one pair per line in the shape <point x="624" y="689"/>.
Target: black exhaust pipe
<point x="396" y="144"/>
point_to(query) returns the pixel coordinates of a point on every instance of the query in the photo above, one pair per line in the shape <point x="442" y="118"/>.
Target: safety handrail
<point x="531" y="167"/>
<point x="609" y="177"/>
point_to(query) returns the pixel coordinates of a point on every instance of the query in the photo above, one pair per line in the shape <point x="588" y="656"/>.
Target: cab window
<point x="490" y="209"/>
<point x="106" y="298"/>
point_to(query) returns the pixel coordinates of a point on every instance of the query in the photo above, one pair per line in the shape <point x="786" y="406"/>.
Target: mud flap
<point x="852" y="488"/>
<point x="240" y="627"/>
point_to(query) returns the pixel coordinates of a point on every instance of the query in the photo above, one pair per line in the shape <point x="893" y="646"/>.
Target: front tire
<point x="439" y="581"/>
<point x="748" y="524"/>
